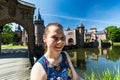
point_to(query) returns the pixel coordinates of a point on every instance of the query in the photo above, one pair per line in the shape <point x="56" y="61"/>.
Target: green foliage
<point x="113" y="33"/>
<point x="7" y="28"/>
<point x="117" y="76"/>
<point x="106" y="75"/>
<point x="105" y="40"/>
<point x="116" y="43"/>
<point x="90" y="76"/>
<point x="7" y="34"/>
<point x="87" y="41"/>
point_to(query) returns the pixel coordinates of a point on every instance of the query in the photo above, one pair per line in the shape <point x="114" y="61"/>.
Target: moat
<point x="97" y="60"/>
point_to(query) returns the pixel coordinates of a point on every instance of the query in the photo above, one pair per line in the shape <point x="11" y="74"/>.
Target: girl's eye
<point x="55" y="38"/>
<point x="59" y="38"/>
<point x="62" y="38"/>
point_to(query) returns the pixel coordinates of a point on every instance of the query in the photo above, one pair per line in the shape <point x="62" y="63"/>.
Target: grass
<point x="106" y="75"/>
<point x="116" y="43"/>
<point x="10" y="46"/>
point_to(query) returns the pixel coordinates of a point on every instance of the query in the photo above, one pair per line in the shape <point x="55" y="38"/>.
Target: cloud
<point x="81" y="19"/>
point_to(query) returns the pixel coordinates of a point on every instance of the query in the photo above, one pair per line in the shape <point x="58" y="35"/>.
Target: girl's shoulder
<point x="38" y="72"/>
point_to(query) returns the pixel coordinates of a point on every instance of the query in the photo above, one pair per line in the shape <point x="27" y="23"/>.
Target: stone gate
<point x="21" y="13"/>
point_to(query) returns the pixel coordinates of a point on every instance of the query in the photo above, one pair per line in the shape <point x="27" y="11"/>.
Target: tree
<point x="113" y="33"/>
<point x="7" y="34"/>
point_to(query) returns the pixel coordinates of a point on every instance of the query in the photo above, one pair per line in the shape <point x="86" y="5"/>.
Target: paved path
<point x="14" y="64"/>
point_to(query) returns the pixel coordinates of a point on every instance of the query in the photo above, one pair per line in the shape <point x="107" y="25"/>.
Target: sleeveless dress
<point x="60" y="72"/>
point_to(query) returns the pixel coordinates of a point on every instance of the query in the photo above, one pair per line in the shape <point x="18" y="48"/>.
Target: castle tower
<point x="39" y="29"/>
<point x="71" y="37"/>
<point x="80" y="38"/>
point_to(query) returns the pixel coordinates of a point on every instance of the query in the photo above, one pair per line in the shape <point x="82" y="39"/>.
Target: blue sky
<point x="92" y="13"/>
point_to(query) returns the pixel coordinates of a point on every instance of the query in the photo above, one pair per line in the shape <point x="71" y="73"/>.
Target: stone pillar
<point x="31" y="44"/>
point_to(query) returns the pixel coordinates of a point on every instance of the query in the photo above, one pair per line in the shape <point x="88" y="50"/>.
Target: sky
<point x="70" y="13"/>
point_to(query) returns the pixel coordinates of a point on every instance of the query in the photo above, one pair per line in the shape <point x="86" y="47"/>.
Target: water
<point x="88" y="60"/>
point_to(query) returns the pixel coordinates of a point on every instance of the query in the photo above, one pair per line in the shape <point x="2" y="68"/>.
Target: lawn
<point x="12" y="46"/>
<point x="116" y="43"/>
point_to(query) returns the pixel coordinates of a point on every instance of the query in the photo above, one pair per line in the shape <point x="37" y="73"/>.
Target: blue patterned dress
<point x="60" y="72"/>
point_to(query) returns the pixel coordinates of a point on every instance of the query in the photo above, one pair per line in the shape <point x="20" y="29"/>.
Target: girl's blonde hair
<point x="46" y="31"/>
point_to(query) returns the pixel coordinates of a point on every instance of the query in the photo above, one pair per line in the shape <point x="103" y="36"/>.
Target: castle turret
<point x="68" y="28"/>
<point x="39" y="29"/>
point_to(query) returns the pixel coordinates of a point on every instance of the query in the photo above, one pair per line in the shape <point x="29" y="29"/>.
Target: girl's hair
<point x="46" y="32"/>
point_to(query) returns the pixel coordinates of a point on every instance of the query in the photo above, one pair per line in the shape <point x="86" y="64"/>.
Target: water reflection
<point x="95" y="59"/>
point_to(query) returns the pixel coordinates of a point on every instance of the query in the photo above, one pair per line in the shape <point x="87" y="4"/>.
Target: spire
<point x="68" y="28"/>
<point x="80" y="25"/>
<point x="38" y="19"/>
<point x="39" y="16"/>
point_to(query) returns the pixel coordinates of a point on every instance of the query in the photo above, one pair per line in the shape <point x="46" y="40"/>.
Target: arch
<point x="10" y="20"/>
<point x="20" y="12"/>
<point x="70" y="41"/>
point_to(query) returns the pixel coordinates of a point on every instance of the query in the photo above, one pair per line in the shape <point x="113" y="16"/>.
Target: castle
<point x="76" y="36"/>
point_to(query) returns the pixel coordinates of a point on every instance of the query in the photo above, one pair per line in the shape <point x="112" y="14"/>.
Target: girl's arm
<point x="38" y="72"/>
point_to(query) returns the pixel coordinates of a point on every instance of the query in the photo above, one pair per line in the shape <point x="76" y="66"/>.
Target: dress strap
<point x="44" y="62"/>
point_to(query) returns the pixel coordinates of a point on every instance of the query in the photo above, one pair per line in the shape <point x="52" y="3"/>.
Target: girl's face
<point x="55" y="39"/>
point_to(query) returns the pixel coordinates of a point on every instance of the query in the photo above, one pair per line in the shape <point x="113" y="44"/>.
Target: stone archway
<point x="70" y="41"/>
<point x="22" y="13"/>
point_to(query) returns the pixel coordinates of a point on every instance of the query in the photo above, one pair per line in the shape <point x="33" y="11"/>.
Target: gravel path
<point x="14" y="64"/>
